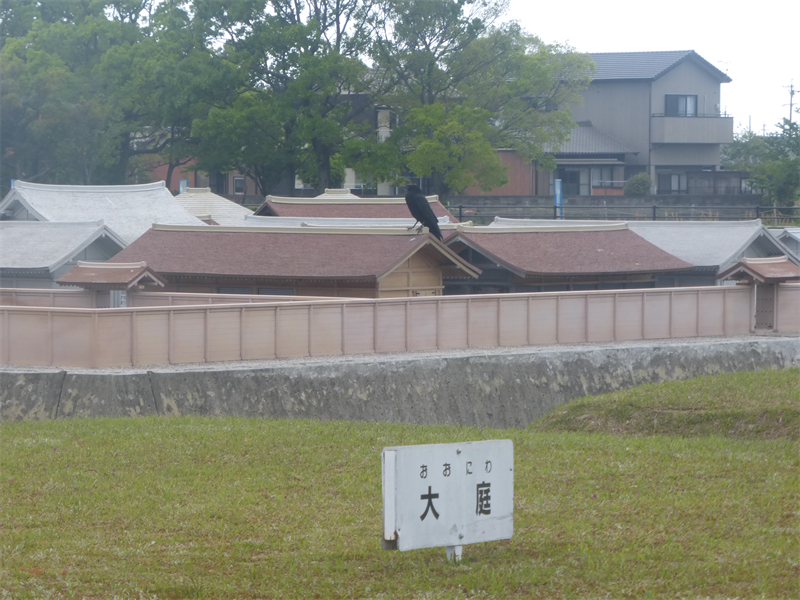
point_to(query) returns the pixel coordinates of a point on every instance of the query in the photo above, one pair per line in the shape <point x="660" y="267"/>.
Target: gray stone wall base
<point x="493" y="389"/>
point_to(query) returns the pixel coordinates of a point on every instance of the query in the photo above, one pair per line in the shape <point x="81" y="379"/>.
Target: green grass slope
<point x="168" y="508"/>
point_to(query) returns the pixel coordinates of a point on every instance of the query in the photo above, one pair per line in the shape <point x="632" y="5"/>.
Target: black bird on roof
<point x="421" y="210"/>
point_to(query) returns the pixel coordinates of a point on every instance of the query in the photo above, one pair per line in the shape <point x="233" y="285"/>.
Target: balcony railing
<point x="700" y="129"/>
<point x="702" y="115"/>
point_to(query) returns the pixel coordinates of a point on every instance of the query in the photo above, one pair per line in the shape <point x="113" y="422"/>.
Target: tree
<point x="773" y="161"/>
<point x="454" y="144"/>
<point x="86" y="90"/>
<point x="450" y="55"/>
<point x="301" y="63"/>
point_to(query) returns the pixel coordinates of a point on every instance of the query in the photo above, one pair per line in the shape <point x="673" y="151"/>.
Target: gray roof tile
<point x="647" y="65"/>
<point x="42" y="245"/>
<point x="129" y="210"/>
<point x="586" y="139"/>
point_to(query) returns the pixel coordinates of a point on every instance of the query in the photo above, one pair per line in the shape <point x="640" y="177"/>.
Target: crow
<point x="421" y="210"/>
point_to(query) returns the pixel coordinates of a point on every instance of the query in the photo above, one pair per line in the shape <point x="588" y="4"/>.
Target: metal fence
<point x="771" y="215"/>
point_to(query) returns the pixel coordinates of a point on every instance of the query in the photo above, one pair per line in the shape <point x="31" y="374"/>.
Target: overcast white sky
<point x="756" y="42"/>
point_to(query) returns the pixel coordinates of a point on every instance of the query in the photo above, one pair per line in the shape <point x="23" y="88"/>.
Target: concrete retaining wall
<point x="496" y="389"/>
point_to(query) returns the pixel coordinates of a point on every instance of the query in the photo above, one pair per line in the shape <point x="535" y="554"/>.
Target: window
<point x="606" y="177"/>
<point x="669" y="183"/>
<point x="276" y="291"/>
<point x="238" y="185"/>
<point x="574" y="181"/>
<point x="235" y="290"/>
<point x="676" y="105"/>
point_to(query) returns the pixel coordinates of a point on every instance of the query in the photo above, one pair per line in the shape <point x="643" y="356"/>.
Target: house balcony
<point x="702" y="129"/>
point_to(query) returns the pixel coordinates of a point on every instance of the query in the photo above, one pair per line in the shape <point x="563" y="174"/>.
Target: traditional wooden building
<point x="559" y="256"/>
<point x="764" y="275"/>
<point x="307" y="261"/>
<point x="34" y="254"/>
<point x="212" y="208"/>
<point x="128" y="210"/>
<point x="111" y="282"/>
<point x="342" y="204"/>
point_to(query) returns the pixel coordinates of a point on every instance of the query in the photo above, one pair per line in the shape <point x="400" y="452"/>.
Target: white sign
<point x="448" y="494"/>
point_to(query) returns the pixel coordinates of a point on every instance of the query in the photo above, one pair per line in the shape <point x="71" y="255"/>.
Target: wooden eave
<point x="452" y="265"/>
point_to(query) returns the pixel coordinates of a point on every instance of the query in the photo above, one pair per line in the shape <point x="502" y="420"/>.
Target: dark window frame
<point x="677" y="105"/>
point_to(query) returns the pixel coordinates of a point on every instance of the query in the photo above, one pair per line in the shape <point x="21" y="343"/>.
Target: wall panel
<point x="482" y="321"/>
<point x="571" y="318"/>
<point x="543" y="311"/>
<point x="422" y="325"/>
<point x="151" y="338"/>
<point x="73" y="338"/>
<point x="452" y="323"/>
<point x="188" y="336"/>
<point x="390" y="327"/>
<point x="292" y="335"/>
<point x="359" y="322"/>
<point x="514" y="321"/>
<point x="224" y="336"/>
<point x="710" y="313"/>
<point x="788" y="308"/>
<point x="114" y="340"/>
<point x="29" y="338"/>
<point x="600" y="311"/>
<point x="326" y="330"/>
<point x="630" y="316"/>
<point x="684" y="314"/>
<point x="258" y="333"/>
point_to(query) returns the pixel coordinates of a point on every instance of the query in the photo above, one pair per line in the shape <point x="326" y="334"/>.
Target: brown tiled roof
<point x="764" y="270"/>
<point x="381" y="208"/>
<point x="107" y="275"/>
<point x="288" y="254"/>
<point x="572" y="252"/>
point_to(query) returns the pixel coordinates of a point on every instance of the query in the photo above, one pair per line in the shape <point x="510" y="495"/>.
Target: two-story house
<point x="657" y="112"/>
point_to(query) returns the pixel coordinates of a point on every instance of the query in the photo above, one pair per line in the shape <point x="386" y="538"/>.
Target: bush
<point x="638" y="185"/>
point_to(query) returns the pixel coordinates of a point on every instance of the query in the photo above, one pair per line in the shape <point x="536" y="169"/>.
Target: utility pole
<point x="791" y="99"/>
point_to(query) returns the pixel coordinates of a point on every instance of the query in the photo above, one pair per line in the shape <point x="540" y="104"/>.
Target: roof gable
<point x="569" y="250"/>
<point x="706" y="244"/>
<point x="774" y="269"/>
<point x="129" y="210"/>
<point x="203" y="204"/>
<point x="43" y="245"/>
<point x="308" y="253"/>
<point x="717" y="244"/>
<point x="345" y="206"/>
<point x="109" y="276"/>
<point x="647" y="65"/>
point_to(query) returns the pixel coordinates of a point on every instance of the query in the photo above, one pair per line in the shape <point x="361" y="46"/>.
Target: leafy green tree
<point x="455" y="144"/>
<point x="85" y="89"/>
<point x="773" y="161"/>
<point x="449" y="53"/>
<point x="299" y="62"/>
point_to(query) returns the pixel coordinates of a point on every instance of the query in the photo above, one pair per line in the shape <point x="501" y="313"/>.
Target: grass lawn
<point x="676" y="490"/>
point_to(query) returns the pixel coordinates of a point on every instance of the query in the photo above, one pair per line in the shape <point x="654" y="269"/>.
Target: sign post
<point x="448" y="495"/>
<point x="559" y="199"/>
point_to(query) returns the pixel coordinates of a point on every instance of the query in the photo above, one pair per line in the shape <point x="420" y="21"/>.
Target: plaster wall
<point x="620" y="109"/>
<point x="689" y="79"/>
